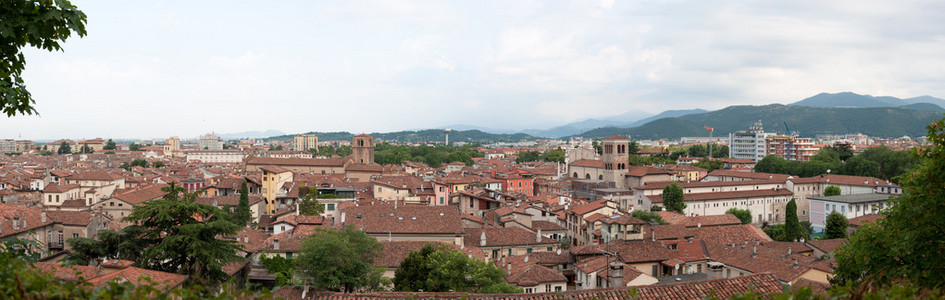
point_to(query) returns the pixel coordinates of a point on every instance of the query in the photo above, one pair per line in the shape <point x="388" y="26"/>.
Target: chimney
<point x="754" y="251"/>
<point x="616" y="274"/>
<point x="42" y="217"/>
<point x="482" y="239"/>
<point x="246" y="239"/>
<point x="538" y="236"/>
<point x="214" y="202"/>
<point x="275" y="244"/>
<point x="16" y="223"/>
<point x="715" y="269"/>
<point x="795" y="264"/>
<point x="789" y="250"/>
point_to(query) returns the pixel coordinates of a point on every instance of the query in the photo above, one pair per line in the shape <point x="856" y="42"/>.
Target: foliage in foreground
<point x="441" y="269"/>
<point x="340" y="260"/>
<point x="907" y="245"/>
<point x="19" y="279"/>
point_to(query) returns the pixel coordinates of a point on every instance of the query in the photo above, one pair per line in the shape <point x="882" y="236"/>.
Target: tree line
<point x="879" y="162"/>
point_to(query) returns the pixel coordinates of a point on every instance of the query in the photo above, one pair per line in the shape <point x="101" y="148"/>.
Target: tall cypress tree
<point x="792" y="227"/>
<point x="243" y="214"/>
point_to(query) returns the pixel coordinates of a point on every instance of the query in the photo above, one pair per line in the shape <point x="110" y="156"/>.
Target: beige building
<point x="502" y="242"/>
<point x="303" y="142"/>
<point x="172" y="147"/>
<point x="273" y="178"/>
<point x="215" y="156"/>
<point x="54" y="194"/>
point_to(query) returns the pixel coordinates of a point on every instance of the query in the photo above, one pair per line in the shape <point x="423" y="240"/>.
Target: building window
<point x="441" y="200"/>
<point x="547" y="288"/>
<point x="330" y="206"/>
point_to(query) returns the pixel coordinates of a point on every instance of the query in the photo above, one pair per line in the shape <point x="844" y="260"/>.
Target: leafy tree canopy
<point x="441" y="269"/>
<point x="40" y="24"/>
<point x="174" y="234"/>
<point x="673" y="198"/>
<point x="907" y="245"/>
<point x="743" y="215"/>
<point x="308" y="204"/>
<point x="832" y="190"/>
<point x="836" y="226"/>
<point x="340" y="260"/>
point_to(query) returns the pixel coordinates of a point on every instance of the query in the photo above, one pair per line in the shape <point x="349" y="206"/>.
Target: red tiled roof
<point x="275" y="161"/>
<point x="385" y="218"/>
<point x="659" y="185"/>
<point x="94" y="175"/>
<point x="640" y="171"/>
<point x="504" y="236"/>
<point x="163" y="281"/>
<point x="589" y="163"/>
<point x="138" y="196"/>
<point x="67" y="273"/>
<point x="722" y="288"/>
<point x="615" y="137"/>
<point x="827" y="245"/>
<point x="843" y="180"/>
<point x="731" y="234"/>
<point x="56" y="188"/>
<point x="752" y="175"/>
<point x="865" y="219"/>
<point x="728" y="195"/>
<point x="74" y="218"/>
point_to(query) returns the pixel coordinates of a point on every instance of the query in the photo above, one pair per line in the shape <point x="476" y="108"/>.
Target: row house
<point x="849" y="185"/>
<point x="580" y="230"/>
<point x="445" y="187"/>
<point x="502" y="242"/>
<point x="641" y="194"/>
<point x="411" y="189"/>
<point x="766" y="205"/>
<point x="850" y="206"/>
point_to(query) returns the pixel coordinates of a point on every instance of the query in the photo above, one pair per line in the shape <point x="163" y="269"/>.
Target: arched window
<point x="575" y="176"/>
<point x="600" y="177"/>
<point x="587" y="176"/>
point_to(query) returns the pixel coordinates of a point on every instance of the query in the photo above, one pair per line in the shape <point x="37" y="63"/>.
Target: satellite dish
<point x="677" y="267"/>
<point x="526" y="259"/>
<point x="559" y="251"/>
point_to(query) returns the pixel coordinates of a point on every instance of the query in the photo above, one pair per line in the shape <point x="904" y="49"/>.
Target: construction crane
<point x="786" y="128"/>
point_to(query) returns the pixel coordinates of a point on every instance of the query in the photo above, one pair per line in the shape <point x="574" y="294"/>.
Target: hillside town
<point x="592" y="222"/>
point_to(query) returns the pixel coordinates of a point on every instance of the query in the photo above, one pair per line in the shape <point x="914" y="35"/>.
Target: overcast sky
<point x="152" y="69"/>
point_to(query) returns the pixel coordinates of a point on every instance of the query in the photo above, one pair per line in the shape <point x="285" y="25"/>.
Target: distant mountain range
<point x="874" y="121"/>
<point x="249" y="134"/>
<point x="848" y="99"/>
<point x="846" y="112"/>
<point x="428" y="135"/>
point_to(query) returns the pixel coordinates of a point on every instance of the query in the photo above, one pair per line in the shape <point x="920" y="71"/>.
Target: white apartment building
<point x="748" y="144"/>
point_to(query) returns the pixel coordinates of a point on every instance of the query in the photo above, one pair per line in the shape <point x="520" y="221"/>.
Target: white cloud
<point x="246" y="61"/>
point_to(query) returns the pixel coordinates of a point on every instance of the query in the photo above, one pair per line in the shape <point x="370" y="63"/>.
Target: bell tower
<point x="616" y="158"/>
<point x="362" y="147"/>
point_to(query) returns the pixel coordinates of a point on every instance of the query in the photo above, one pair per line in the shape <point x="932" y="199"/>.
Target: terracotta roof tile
<point x="384" y="218"/>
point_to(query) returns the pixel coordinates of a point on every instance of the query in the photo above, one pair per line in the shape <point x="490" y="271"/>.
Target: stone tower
<point x="616" y="156"/>
<point x="363" y="148"/>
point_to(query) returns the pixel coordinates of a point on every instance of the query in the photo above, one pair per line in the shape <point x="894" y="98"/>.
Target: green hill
<point x="429" y="135"/>
<point x="876" y="121"/>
